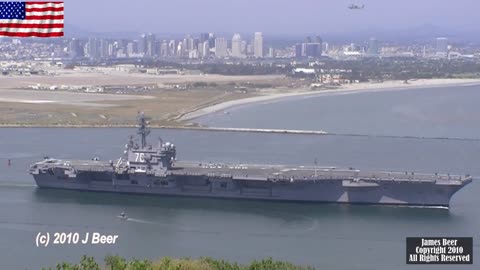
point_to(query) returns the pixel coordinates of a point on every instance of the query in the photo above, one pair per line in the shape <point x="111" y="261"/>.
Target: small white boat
<point x="122" y="216"/>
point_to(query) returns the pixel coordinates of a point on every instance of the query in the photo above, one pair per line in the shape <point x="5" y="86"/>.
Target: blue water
<point x="322" y="235"/>
<point x="430" y="112"/>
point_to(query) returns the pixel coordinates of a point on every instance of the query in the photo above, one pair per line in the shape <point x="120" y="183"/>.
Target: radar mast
<point x="143" y="129"/>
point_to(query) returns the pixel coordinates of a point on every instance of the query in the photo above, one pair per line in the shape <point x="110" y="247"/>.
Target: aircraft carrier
<point x="154" y="169"/>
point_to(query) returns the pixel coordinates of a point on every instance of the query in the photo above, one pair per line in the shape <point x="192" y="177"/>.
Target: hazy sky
<point x="269" y="16"/>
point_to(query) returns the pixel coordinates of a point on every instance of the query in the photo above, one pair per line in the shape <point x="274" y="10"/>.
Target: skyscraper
<point x="220" y="47"/>
<point x="103" y="49"/>
<point x="164" y="49"/>
<point x="189" y="43"/>
<point x="211" y="40"/>
<point x="205" y="49"/>
<point x="172" y="47"/>
<point x="142" y="44"/>
<point x="75" y="48"/>
<point x="271" y="53"/>
<point x="258" y="45"/>
<point x="93" y="48"/>
<point x="310" y="48"/>
<point x="319" y="41"/>
<point x="132" y="48"/>
<point x="373" y="49"/>
<point x="150" y="48"/>
<point x="237" y="46"/>
<point x="298" y="50"/>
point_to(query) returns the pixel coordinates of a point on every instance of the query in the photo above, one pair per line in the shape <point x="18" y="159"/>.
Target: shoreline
<point x="343" y="90"/>
<point x="186" y="118"/>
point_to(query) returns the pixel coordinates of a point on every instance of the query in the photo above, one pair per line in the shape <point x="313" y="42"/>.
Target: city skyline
<point x="209" y="47"/>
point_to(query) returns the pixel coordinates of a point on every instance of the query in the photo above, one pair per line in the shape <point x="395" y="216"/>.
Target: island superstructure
<point x="154" y="169"/>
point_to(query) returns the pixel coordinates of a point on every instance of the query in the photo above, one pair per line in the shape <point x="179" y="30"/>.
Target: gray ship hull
<point x="427" y="193"/>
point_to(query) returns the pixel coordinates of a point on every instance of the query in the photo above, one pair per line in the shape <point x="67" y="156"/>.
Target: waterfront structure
<point x="153" y="169"/>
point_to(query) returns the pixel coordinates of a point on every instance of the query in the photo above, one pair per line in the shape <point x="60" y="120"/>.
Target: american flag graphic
<point x="31" y="19"/>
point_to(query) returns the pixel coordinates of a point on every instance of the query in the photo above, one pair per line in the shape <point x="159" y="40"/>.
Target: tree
<point x="115" y="262"/>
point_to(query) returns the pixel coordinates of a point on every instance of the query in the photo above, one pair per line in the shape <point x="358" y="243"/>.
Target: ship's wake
<point x="138" y="220"/>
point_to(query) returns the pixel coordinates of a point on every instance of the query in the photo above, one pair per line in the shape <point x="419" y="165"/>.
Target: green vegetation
<point x="403" y="68"/>
<point x="166" y="263"/>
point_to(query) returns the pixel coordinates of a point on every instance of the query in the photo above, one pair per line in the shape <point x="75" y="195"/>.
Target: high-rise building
<point x="142" y="44"/>
<point x="310" y="48"/>
<point x="203" y="37"/>
<point x="189" y="43"/>
<point x="220" y="47"/>
<point x="211" y="40"/>
<point x="258" y="45"/>
<point x="271" y="52"/>
<point x="93" y="48"/>
<point x="112" y="49"/>
<point x="197" y="44"/>
<point x="373" y="48"/>
<point x="205" y="49"/>
<point x="132" y="49"/>
<point x="180" y="49"/>
<point x="442" y="45"/>
<point x="75" y="48"/>
<point x="325" y="47"/>
<point x="319" y="41"/>
<point x="103" y="49"/>
<point x="298" y="50"/>
<point x="172" y="47"/>
<point x="164" y="49"/>
<point x="244" y="47"/>
<point x="150" y="45"/>
<point x="249" y="48"/>
<point x="237" y="46"/>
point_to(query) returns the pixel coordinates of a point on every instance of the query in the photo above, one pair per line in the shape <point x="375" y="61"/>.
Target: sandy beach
<point x="275" y="95"/>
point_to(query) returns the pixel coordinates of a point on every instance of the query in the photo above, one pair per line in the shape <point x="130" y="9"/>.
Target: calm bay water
<point x="322" y="235"/>
<point x="430" y="112"/>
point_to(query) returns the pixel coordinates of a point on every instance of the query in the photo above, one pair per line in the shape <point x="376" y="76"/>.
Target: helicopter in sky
<point x="353" y="6"/>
